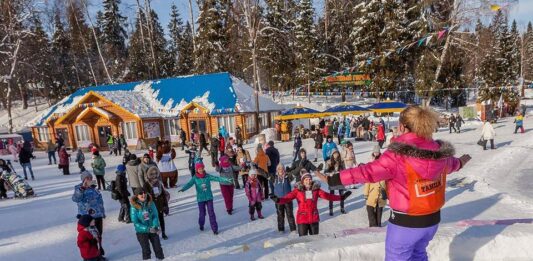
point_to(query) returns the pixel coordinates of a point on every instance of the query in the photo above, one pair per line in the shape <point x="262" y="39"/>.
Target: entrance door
<point x="198" y="126"/>
<point x="103" y="133"/>
<point x="63" y="133"/>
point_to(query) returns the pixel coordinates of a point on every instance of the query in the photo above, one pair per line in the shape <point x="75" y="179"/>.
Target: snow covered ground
<point x="495" y="185"/>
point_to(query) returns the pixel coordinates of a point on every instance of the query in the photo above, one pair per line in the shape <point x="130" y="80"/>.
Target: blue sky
<point x="522" y="11"/>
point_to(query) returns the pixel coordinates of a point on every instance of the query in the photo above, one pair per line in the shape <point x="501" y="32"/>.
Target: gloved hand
<point x="274" y="198"/>
<point x="320" y="167"/>
<point x="346" y="195"/>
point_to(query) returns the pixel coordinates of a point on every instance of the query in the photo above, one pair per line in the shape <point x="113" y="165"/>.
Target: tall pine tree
<point x="175" y="27"/>
<point x="305" y="42"/>
<point x="65" y="77"/>
<point x="209" y="51"/>
<point x="186" y="48"/>
<point x="113" y="36"/>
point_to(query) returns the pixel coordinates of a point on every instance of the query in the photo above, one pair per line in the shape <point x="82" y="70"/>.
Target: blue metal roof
<point x="219" y="86"/>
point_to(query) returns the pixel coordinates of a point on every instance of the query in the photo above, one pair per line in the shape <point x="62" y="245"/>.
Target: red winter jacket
<point x="222" y="145"/>
<point x="307" y="212"/>
<point x="87" y="244"/>
<point x="381" y="133"/>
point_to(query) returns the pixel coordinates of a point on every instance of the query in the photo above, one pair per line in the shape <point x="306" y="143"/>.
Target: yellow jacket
<point x="372" y="193"/>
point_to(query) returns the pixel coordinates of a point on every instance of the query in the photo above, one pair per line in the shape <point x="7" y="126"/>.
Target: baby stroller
<point x="16" y="183"/>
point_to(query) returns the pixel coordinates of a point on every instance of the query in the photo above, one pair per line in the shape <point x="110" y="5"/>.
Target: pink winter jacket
<point x="254" y="194"/>
<point x="428" y="158"/>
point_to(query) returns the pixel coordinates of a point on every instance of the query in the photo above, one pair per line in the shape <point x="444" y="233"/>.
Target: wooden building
<point x="158" y="109"/>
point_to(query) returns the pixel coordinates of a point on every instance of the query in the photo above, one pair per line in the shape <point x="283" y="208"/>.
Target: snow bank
<point x="246" y="98"/>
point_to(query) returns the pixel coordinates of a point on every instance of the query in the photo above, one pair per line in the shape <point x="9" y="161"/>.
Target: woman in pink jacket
<point x="414" y="168"/>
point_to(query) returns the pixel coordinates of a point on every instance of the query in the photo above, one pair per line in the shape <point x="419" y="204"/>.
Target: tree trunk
<point x="23" y="96"/>
<point x="9" y="116"/>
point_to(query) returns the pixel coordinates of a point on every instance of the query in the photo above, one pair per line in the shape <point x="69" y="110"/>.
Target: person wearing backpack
<point x="121" y="193"/>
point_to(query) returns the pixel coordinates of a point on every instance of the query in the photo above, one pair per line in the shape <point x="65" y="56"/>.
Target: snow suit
<point x="80" y="159"/>
<point x="213" y="150"/>
<point x="282" y="187"/>
<point x="380" y="137"/>
<point x="333" y="169"/>
<point x="89" y="201"/>
<point x="296" y="148"/>
<point x="254" y="193"/>
<point x="307" y="216"/>
<point x="488" y="134"/>
<point x="88" y="243"/>
<point x="415" y="170"/>
<point x="348" y="157"/>
<point x="144" y="217"/>
<point x="519" y="121"/>
<point x="204" y="197"/>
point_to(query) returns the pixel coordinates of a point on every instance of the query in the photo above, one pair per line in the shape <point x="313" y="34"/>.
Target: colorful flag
<point x="441" y="34"/>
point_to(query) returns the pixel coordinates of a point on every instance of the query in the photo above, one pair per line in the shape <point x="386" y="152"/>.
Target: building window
<point x="263" y="120"/>
<point x="82" y="133"/>
<point x="172" y="126"/>
<point x="44" y="135"/>
<point x="272" y="116"/>
<point x="228" y="122"/>
<point x="250" y="123"/>
<point x="129" y="129"/>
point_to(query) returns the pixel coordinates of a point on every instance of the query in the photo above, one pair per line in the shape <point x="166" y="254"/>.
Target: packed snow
<point x="486" y="216"/>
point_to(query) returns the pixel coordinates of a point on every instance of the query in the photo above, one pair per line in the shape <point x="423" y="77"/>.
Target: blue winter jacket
<point x="138" y="209"/>
<point x="327" y="150"/>
<point x="282" y="186"/>
<point x="89" y="201"/>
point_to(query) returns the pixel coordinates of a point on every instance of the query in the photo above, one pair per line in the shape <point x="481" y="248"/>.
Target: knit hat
<point x="224" y="161"/>
<point x="85" y="174"/>
<point x="138" y="191"/>
<point x="271" y="143"/>
<point x="121" y="168"/>
<point x="304" y="174"/>
<point x="96" y="153"/>
<point x="146" y="155"/>
<point x="376" y="150"/>
<point x="85" y="220"/>
<point x="199" y="165"/>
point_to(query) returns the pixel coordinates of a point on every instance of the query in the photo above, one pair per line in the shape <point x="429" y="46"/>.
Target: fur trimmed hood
<point x="300" y="186"/>
<point x="446" y="150"/>
<point x="135" y="203"/>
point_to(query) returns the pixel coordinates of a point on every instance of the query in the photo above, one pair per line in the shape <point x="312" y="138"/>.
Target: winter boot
<point x="343" y="211"/>
<point x="164" y="236"/>
<point x="259" y="215"/>
<point x="202" y="228"/>
<point x="215" y="232"/>
<point x="230" y="211"/>
<point x="252" y="218"/>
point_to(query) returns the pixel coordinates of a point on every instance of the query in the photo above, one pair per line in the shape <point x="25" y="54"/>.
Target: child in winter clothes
<point x="145" y="219"/>
<point x="413" y="160"/>
<point x="98" y="166"/>
<point x="282" y="187"/>
<point x="159" y="195"/>
<point x="80" y="159"/>
<point x="192" y="151"/>
<point x="121" y="188"/>
<point x="328" y="148"/>
<point x="307" y="193"/>
<point x="226" y="169"/>
<point x="64" y="159"/>
<point x="204" y="195"/>
<point x="88" y="239"/>
<point x="254" y="193"/>
<point x="348" y="155"/>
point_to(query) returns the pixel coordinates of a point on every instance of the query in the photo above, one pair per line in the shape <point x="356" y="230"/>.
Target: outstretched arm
<point x="327" y="196"/>
<point x="188" y="185"/>
<point x="288" y="198"/>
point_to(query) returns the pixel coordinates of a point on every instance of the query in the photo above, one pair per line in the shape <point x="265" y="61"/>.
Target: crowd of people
<point x="388" y="179"/>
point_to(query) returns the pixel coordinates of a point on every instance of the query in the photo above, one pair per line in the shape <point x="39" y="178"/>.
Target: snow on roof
<point x="218" y="92"/>
<point x="246" y="98"/>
